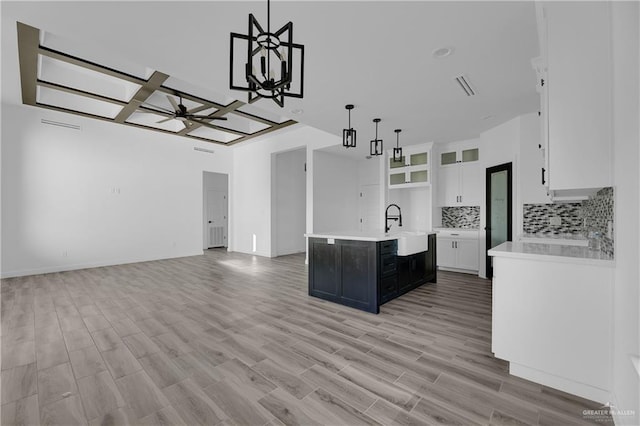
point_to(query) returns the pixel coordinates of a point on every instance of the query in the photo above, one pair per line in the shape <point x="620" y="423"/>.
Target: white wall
<point x="626" y="340"/>
<point x="335" y="191"/>
<point x="289" y="202"/>
<point x="251" y="184"/>
<point x="107" y="194"/>
<point x="416" y="208"/>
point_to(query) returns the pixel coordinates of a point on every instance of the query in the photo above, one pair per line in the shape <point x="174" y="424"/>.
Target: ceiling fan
<point x="180" y="112"/>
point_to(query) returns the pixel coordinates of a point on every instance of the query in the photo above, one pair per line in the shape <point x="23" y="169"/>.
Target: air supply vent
<point x="464" y="84"/>
<point x="208" y="151"/>
<point x="60" y="124"/>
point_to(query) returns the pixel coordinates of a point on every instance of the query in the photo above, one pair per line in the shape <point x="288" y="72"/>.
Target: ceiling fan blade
<point x="173" y="103"/>
<point x="205" y="124"/>
<point x="206" y="117"/>
<point x="165" y="120"/>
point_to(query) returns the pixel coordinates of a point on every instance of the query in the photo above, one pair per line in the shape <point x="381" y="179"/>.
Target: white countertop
<point x="359" y="235"/>
<point x="440" y="228"/>
<point x="552" y="252"/>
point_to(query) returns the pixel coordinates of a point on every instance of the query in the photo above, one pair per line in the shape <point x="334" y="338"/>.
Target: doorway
<point x="499" y="209"/>
<point x="215" y="210"/>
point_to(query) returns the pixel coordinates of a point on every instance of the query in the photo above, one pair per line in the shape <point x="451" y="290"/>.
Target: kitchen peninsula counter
<point x="551" y="315"/>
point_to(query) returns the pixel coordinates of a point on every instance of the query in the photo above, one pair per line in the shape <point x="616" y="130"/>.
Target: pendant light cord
<point x="269" y="39"/>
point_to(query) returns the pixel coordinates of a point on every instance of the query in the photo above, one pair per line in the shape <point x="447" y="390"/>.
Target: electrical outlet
<point x="555" y="221"/>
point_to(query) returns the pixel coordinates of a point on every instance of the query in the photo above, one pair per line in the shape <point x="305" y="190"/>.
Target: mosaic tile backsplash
<point x="467" y="217"/>
<point x="598" y="212"/>
<point x="536" y="218"/>
<point x="592" y="215"/>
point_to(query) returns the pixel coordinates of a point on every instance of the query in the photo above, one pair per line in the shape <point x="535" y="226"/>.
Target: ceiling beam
<point x="221" y="112"/>
<point x="147" y="89"/>
<point x="79" y="92"/>
<point x="28" y="43"/>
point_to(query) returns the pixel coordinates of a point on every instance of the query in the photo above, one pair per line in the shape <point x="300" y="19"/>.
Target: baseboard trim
<point x="580" y="389"/>
<point x="463" y="271"/>
<point x="89" y="265"/>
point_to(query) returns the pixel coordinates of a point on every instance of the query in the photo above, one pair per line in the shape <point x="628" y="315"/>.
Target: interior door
<point x="217" y="218"/>
<point x="498" y="219"/>
<point x="369" y="207"/>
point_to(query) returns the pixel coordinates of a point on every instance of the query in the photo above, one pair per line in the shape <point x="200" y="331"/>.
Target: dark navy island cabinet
<point x="366" y="274"/>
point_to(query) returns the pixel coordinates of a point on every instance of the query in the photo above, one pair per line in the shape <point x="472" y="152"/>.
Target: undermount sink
<point x="411" y="242"/>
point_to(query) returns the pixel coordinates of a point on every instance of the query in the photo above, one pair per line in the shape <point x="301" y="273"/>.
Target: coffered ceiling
<point x="376" y="55"/>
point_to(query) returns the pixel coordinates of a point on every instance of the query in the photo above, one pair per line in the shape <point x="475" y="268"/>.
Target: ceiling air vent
<point x="464" y="84"/>
<point x="60" y="124"/>
<point x="208" y="151"/>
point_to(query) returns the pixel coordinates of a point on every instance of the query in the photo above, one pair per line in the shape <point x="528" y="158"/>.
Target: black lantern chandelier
<point x="269" y="68"/>
<point x="349" y="135"/>
<point x="375" y="146"/>
<point x="397" y="151"/>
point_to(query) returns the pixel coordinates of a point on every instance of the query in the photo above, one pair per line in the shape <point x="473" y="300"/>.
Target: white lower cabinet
<point x="552" y="321"/>
<point x="457" y="250"/>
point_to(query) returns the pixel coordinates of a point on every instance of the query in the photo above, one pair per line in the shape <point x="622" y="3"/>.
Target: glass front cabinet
<point x="411" y="170"/>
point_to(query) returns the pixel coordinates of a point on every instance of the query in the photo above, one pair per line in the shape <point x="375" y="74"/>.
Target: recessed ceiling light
<point x="297" y="111"/>
<point x="442" y="52"/>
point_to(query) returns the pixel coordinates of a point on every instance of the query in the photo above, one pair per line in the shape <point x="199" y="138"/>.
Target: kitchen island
<point x="364" y="270"/>
<point x="551" y="315"/>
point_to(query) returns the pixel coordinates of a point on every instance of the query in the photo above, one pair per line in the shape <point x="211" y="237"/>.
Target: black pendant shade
<point x="269" y="65"/>
<point x="349" y="135"/>
<point x="397" y="151"/>
<point x="375" y="147"/>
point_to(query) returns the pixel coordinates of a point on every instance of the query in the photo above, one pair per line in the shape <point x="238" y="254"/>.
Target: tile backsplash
<point x="598" y="212"/>
<point x="593" y="214"/>
<point x="536" y="218"/>
<point x="461" y="217"/>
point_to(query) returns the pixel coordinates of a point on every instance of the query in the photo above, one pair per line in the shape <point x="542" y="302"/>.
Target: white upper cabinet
<point x="412" y="170"/>
<point x="459" y="177"/>
<point x="576" y="94"/>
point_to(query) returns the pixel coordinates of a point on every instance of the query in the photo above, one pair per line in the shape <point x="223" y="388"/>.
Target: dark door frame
<point x="490" y="171"/>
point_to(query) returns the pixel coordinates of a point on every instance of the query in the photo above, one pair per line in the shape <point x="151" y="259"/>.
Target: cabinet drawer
<point x="388" y="288"/>
<point x="390" y="246"/>
<point x="387" y="264"/>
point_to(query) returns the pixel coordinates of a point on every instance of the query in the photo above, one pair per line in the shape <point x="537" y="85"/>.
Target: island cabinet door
<point x="344" y="272"/>
<point x="359" y="274"/>
<point x="324" y="275"/>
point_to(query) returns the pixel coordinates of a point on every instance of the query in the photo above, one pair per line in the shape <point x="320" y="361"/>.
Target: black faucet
<point x="387" y="218"/>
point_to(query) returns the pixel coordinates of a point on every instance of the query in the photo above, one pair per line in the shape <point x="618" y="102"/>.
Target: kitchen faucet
<point x="387" y="218"/>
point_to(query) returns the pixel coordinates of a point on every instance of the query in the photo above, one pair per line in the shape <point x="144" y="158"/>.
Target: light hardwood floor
<point x="229" y="338"/>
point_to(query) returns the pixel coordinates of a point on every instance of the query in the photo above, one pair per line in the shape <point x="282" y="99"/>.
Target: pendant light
<point x="269" y="70"/>
<point x="397" y="151"/>
<point x="349" y="135"/>
<point x="375" y="147"/>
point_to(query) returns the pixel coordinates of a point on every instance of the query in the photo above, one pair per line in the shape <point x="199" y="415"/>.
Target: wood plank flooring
<point x="227" y="338"/>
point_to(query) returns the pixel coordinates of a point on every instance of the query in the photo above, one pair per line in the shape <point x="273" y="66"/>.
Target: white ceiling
<point x="376" y="55"/>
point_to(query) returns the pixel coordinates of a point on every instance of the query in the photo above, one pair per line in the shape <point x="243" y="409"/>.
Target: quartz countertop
<point x="552" y="252"/>
<point x="441" y="228"/>
<point x="360" y="235"/>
